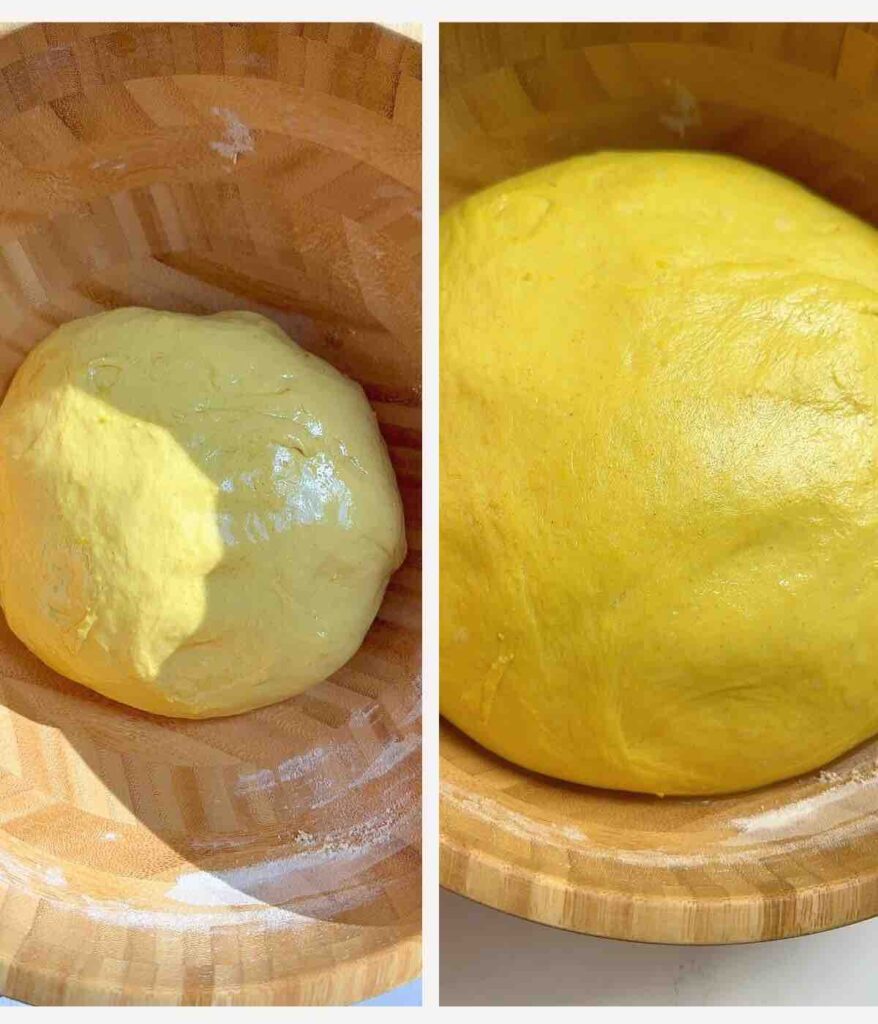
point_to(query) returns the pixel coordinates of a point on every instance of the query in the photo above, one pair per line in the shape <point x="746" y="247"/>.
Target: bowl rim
<point x="473" y="866"/>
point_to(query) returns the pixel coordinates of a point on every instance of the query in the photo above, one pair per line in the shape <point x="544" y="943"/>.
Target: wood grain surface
<point x="793" y="858"/>
<point x="272" y="857"/>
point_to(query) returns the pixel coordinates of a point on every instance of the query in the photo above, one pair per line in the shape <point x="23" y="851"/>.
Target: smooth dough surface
<point x="659" y="527"/>
<point x="197" y="517"/>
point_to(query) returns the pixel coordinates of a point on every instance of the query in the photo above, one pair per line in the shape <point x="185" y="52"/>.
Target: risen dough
<point x="659" y="486"/>
<point x="197" y="517"/>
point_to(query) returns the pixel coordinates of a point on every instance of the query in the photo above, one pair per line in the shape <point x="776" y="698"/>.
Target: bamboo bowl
<point x="272" y="857"/>
<point x="789" y="859"/>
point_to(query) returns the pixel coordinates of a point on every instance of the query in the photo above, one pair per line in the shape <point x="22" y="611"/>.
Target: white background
<point x="495" y="959"/>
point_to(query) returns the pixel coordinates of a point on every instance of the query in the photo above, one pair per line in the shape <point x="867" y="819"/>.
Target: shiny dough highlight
<point x="197" y="517"/>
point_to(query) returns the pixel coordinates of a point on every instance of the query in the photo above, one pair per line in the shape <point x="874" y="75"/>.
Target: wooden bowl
<point x="793" y="858"/>
<point x="272" y="857"/>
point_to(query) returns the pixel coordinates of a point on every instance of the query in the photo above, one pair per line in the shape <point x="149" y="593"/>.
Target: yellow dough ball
<point x="197" y="517"/>
<point x="659" y="528"/>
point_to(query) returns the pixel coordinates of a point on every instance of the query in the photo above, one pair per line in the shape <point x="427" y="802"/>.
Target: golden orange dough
<point x="197" y="517"/>
<point x="659" y="526"/>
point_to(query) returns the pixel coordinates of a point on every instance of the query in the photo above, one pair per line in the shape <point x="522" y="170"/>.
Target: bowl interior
<point x="272" y="856"/>
<point x="797" y="98"/>
<point x="784" y="860"/>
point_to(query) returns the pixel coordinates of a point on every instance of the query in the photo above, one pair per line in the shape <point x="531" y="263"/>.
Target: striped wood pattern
<point x="272" y="857"/>
<point x="793" y="858"/>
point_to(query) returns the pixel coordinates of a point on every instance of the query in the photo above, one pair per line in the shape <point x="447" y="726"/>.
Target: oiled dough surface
<point x="659" y="497"/>
<point x="197" y="517"/>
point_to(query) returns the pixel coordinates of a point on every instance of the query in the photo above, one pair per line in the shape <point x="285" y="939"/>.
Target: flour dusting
<point x="842" y="805"/>
<point x="413" y="714"/>
<point x="565" y="837"/>
<point x="116" y="166"/>
<point x="511" y="821"/>
<point x="202" y="889"/>
<point x="30" y="876"/>
<point x="305" y="873"/>
<point x="321" y="875"/>
<point x="253" y="782"/>
<point x="319" y="768"/>
<point x="299" y="767"/>
<point x="303" y="764"/>
<point x="124" y="915"/>
<point x="237" y="139"/>
<point x="684" y="112"/>
<point x="389" y="758"/>
<point x="360" y="717"/>
<point x="846" y="809"/>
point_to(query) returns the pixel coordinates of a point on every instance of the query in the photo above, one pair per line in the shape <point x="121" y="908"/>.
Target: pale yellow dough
<point x="197" y="517"/>
<point x="659" y="488"/>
